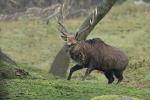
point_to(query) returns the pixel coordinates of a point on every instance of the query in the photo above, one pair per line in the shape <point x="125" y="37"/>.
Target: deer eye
<point x="79" y="55"/>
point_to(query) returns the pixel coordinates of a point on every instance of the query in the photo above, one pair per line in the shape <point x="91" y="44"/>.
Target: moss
<point x="8" y="71"/>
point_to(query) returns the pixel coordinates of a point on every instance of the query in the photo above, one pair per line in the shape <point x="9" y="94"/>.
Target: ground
<point x="33" y="45"/>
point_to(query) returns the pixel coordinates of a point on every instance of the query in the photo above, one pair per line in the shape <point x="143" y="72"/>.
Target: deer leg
<point x="109" y="76"/>
<point x="118" y="75"/>
<point x="88" y="71"/>
<point x="73" y="69"/>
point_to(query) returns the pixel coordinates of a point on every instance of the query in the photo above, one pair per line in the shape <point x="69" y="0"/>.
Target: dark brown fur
<point x="94" y="54"/>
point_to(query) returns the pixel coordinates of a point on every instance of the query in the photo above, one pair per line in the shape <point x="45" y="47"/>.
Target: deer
<point x="94" y="54"/>
<point x="100" y="11"/>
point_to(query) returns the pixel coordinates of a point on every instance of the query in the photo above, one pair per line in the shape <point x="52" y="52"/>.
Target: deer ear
<point x="64" y="37"/>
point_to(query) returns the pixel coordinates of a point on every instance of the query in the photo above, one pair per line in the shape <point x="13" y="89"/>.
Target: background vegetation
<point x="11" y="6"/>
<point x="33" y="45"/>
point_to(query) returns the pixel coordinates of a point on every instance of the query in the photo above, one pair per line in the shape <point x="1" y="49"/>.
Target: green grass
<point x="67" y="90"/>
<point x="33" y="45"/>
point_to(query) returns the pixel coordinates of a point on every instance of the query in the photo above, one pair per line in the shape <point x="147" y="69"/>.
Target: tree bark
<point x="60" y="64"/>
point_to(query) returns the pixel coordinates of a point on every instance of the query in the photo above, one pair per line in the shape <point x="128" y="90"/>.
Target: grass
<point x="33" y="45"/>
<point x="67" y="90"/>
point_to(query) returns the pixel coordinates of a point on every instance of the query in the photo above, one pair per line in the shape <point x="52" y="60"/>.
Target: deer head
<point x="70" y="39"/>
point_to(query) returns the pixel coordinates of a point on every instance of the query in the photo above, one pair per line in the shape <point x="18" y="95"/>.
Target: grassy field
<point x="33" y="45"/>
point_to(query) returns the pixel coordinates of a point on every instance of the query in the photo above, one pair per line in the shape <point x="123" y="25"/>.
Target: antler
<point x="91" y="21"/>
<point x="62" y="29"/>
<point x="60" y="19"/>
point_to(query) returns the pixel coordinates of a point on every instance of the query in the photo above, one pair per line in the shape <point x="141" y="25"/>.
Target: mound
<point x="9" y="68"/>
<point x="114" y="97"/>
